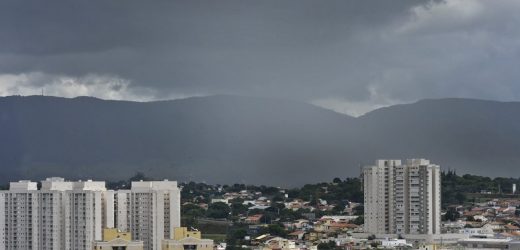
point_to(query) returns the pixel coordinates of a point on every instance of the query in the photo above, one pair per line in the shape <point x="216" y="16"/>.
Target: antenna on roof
<point x="42" y="91"/>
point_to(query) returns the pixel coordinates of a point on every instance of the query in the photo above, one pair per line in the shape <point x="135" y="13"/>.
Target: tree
<point x="277" y="230"/>
<point x="236" y="235"/>
<point x="359" y="210"/>
<point x="327" y="246"/>
<point x="451" y="215"/>
<point x="238" y="208"/>
<point x="218" y="210"/>
<point x="460" y="197"/>
<point x="192" y="210"/>
<point x="139" y="176"/>
<point x="339" y="207"/>
<point x="360" y="220"/>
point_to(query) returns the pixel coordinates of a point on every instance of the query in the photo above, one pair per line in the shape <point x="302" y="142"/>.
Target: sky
<point x="348" y="56"/>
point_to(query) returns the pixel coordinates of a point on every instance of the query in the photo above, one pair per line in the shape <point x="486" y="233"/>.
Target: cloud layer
<point x="350" y="56"/>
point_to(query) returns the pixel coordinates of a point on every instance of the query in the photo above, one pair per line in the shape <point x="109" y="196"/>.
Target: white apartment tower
<point x="18" y="216"/>
<point x="402" y="198"/>
<point x="72" y="215"/>
<point x="61" y="215"/>
<point x="83" y="214"/>
<point x="150" y="210"/>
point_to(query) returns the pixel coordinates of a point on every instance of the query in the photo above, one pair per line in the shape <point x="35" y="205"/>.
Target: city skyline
<point x="74" y="214"/>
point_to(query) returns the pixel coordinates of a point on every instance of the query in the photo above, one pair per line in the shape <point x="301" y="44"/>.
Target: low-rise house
<point x="315" y="235"/>
<point x="478" y="243"/>
<point x="511" y="228"/>
<point x="187" y="243"/>
<point x="296" y="235"/>
<point x="294" y="205"/>
<point x="477" y="231"/>
<point x="496" y="226"/>
<point x="453" y="226"/>
<point x="482" y="217"/>
<point x="203" y="206"/>
<point x="221" y="246"/>
<point x="259" y="207"/>
<point x="255" y="229"/>
<point x="223" y="200"/>
<point x="339" y="218"/>
<point x="254" y="219"/>
<point x="301" y="224"/>
<point x="184" y="239"/>
<point x="278" y="243"/>
<point x="331" y="225"/>
<point x="115" y="239"/>
<point x="395" y="243"/>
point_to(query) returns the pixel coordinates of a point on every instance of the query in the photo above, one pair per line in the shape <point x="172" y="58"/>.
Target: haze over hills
<point x="229" y="139"/>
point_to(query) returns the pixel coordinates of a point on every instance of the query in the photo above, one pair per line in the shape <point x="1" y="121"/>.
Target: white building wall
<point x="153" y="210"/>
<point x="20" y="216"/>
<point x="402" y="198"/>
<point x="71" y="215"/>
<point x="122" y="208"/>
<point x="50" y="220"/>
<point x="175" y="209"/>
<point x="108" y="209"/>
<point x="2" y="220"/>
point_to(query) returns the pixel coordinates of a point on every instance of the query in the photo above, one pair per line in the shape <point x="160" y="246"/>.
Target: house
<point x="334" y="224"/>
<point x="278" y="243"/>
<point x="315" y="235"/>
<point x="259" y="207"/>
<point x="484" y="243"/>
<point x="395" y="243"/>
<point x="301" y="224"/>
<point x="296" y="235"/>
<point x="115" y="239"/>
<point x="511" y="228"/>
<point x="477" y="231"/>
<point x="340" y="218"/>
<point x="187" y="243"/>
<point x="187" y="239"/>
<point x="254" y="219"/>
<point x="223" y="200"/>
<point x="496" y="226"/>
<point x="255" y="229"/>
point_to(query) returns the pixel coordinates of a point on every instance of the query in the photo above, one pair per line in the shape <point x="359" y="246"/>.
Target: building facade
<point x="72" y="215"/>
<point x="150" y="211"/>
<point x="19" y="216"/>
<point x="184" y="239"/>
<point x="402" y="198"/>
<point x="116" y="239"/>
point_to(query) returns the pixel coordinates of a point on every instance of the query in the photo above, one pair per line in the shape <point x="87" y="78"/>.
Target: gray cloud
<point x="351" y="56"/>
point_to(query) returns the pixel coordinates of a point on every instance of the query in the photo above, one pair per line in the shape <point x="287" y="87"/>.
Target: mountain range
<point x="234" y="139"/>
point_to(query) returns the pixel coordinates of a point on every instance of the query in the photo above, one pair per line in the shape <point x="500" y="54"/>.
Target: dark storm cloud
<point x="357" y="54"/>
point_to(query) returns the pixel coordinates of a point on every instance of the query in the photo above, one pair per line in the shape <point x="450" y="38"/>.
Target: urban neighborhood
<point x="393" y="205"/>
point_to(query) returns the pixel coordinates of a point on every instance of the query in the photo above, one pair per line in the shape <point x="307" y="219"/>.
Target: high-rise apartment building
<point x="19" y="216"/>
<point x="61" y="215"/>
<point x="72" y="215"/>
<point x="402" y="198"/>
<point x="150" y="211"/>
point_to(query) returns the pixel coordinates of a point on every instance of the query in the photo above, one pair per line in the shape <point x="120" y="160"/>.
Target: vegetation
<point x="331" y="245"/>
<point x="460" y="189"/>
<point x="336" y="192"/>
<point x="218" y="210"/>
